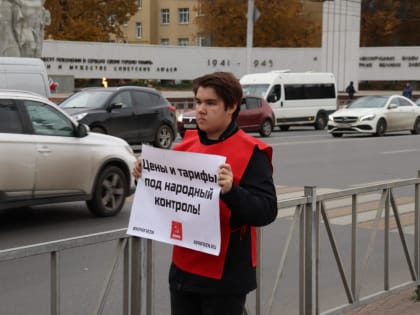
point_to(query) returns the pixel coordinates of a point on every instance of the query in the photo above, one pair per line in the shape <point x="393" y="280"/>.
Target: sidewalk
<point x="402" y="303"/>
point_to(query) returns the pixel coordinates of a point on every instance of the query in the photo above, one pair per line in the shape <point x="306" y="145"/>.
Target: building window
<point x="184" y="16"/>
<point x="164" y="41"/>
<point x="199" y="8"/>
<point x="140" y="3"/>
<point x="202" y="41"/>
<point x="164" y="16"/>
<point x="139" y="30"/>
<point x="182" y="41"/>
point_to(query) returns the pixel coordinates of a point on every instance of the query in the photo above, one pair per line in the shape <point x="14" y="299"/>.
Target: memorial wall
<point x="128" y="61"/>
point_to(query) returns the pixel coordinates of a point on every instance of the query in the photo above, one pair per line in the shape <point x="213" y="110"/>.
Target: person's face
<point x="212" y="118"/>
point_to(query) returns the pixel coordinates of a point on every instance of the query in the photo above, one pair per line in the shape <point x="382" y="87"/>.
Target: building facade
<point x="164" y="22"/>
<point x="173" y="22"/>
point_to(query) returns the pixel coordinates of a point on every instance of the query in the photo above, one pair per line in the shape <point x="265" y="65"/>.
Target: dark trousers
<point x="186" y="303"/>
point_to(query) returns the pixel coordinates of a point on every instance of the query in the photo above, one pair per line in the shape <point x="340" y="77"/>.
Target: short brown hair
<point x="226" y="86"/>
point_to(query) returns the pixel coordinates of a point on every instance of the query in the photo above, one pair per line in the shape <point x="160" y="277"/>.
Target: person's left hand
<point x="225" y="178"/>
<point x="136" y="171"/>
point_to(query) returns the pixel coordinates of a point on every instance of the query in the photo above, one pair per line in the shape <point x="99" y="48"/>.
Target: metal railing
<point x="310" y="214"/>
<point x="134" y="252"/>
<point x="307" y="218"/>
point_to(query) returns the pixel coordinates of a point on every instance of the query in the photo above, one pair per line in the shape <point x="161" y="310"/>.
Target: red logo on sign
<point x="176" y="230"/>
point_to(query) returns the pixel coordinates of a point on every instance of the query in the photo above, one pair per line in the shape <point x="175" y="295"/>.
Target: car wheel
<point x="164" y="137"/>
<point x="416" y="127"/>
<point x="284" y="128"/>
<point x="266" y="128"/>
<point x="337" y="135"/>
<point x="98" y="129"/>
<point x="380" y="128"/>
<point x="320" y="121"/>
<point x="110" y="191"/>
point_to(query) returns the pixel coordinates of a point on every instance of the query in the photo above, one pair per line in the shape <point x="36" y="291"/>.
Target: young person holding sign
<point x="203" y="284"/>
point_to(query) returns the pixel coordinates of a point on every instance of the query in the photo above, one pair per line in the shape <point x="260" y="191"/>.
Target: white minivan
<point x="26" y="74"/>
<point x="297" y="98"/>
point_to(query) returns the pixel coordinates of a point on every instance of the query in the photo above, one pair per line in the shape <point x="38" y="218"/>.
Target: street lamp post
<point x="252" y="16"/>
<point x="249" y="34"/>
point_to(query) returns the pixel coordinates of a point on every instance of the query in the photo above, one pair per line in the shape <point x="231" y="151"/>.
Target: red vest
<point x="238" y="150"/>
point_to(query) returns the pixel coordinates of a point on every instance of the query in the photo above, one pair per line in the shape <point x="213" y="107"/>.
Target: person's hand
<point x="137" y="169"/>
<point x="225" y="178"/>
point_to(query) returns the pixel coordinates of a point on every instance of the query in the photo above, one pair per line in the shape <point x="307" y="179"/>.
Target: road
<point x="302" y="157"/>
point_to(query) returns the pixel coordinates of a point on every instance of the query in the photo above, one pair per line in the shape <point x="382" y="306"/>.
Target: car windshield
<point x="255" y="89"/>
<point x="369" y="102"/>
<point x="86" y="99"/>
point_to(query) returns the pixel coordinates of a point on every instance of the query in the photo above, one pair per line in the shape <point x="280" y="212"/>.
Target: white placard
<point x="177" y="199"/>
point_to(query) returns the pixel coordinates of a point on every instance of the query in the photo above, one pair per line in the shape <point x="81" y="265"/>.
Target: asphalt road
<point x="302" y="157"/>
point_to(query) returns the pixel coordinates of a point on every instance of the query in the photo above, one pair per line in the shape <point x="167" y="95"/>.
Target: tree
<point x="379" y="22"/>
<point x="282" y="23"/>
<point x="88" y="20"/>
<point x="408" y="31"/>
<point x="224" y="22"/>
<point x="390" y="23"/>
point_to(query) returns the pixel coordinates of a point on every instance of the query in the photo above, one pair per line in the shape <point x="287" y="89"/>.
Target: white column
<point x="341" y="40"/>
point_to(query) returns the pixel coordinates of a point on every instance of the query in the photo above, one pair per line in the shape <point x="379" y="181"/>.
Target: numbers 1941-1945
<point x="226" y="63"/>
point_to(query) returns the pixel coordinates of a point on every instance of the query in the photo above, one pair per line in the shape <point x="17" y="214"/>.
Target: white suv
<point x="46" y="157"/>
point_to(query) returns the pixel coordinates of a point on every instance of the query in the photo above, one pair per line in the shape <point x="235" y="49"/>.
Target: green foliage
<point x="88" y="20"/>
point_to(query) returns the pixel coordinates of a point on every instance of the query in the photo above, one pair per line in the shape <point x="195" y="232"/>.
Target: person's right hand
<point x="137" y="169"/>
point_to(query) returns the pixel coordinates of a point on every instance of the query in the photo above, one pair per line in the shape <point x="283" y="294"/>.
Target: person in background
<point x="350" y="90"/>
<point x="203" y="284"/>
<point x="407" y="91"/>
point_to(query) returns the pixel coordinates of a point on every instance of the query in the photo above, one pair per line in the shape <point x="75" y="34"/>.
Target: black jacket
<point x="253" y="202"/>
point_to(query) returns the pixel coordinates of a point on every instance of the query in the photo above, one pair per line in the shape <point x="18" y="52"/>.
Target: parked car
<point x="24" y="74"/>
<point x="48" y="157"/>
<point x="255" y="115"/>
<point x="376" y="115"/>
<point x="135" y="114"/>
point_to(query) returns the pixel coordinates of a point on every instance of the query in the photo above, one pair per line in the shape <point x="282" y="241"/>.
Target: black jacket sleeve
<point x="254" y="200"/>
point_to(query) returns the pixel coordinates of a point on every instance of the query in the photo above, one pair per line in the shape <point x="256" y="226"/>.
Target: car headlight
<point x="330" y="118"/>
<point x="179" y="118"/>
<point x="79" y="116"/>
<point x="368" y="117"/>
